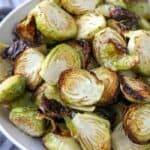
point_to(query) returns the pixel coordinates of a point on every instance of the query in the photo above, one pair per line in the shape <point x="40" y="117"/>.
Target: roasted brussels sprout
<point x="136" y="123"/>
<point x="120" y="141"/>
<point x="80" y="88"/>
<point x="111" y="84"/>
<point x="29" y="64"/>
<point x="140" y="42"/>
<point x="89" y="24"/>
<point x="79" y="7"/>
<point x="127" y="20"/>
<point x="56" y="142"/>
<point x="110" y="50"/>
<point x="24" y="101"/>
<point x="60" y="58"/>
<point x="135" y="90"/>
<point x="51" y="92"/>
<point x="84" y="49"/>
<point x="92" y="132"/>
<point x="28" y="120"/>
<point x="39" y="94"/>
<point x="140" y="7"/>
<point x="53" y="22"/>
<point x="12" y="88"/>
<point x="6" y="68"/>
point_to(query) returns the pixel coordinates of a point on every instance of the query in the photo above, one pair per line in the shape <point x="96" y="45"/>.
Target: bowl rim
<point x="2" y="128"/>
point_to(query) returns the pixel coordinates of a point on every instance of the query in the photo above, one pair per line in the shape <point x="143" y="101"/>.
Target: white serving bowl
<point x="21" y="140"/>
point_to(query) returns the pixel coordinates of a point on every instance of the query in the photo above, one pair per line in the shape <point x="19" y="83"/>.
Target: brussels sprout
<point x="109" y="50"/>
<point x="28" y="120"/>
<point x="128" y="73"/>
<point x="127" y="20"/>
<point x="56" y="142"/>
<point x="24" y="101"/>
<point x="29" y="64"/>
<point x="39" y="94"/>
<point x="6" y="68"/>
<point x="140" y="7"/>
<point x="135" y="90"/>
<point x="60" y="58"/>
<point x="83" y="48"/>
<point x="80" y="88"/>
<point x="89" y="24"/>
<point x="136" y="123"/>
<point x="140" y="42"/>
<point x="12" y="88"/>
<point x="79" y="7"/>
<point x="92" y="132"/>
<point x="120" y="141"/>
<point x="120" y="3"/>
<point x="111" y="84"/>
<point x="51" y="92"/>
<point x="53" y="22"/>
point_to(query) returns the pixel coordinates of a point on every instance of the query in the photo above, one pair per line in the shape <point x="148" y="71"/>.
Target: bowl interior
<point x="21" y="140"/>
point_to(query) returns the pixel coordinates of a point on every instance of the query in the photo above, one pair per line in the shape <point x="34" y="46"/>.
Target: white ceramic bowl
<point x="21" y="140"/>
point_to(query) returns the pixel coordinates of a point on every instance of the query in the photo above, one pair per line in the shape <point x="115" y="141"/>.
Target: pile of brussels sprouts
<point x="78" y="74"/>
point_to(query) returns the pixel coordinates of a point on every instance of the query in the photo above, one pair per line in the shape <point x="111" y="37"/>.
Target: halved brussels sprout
<point x="120" y="3"/>
<point x="110" y="50"/>
<point x="89" y="24"/>
<point x="120" y="140"/>
<point x="127" y="20"/>
<point x="92" y="132"/>
<point x="12" y="88"/>
<point x="136" y="123"/>
<point x="79" y="7"/>
<point x="24" y="101"/>
<point x="53" y="22"/>
<point x="39" y="94"/>
<point x="29" y="64"/>
<point x="111" y="84"/>
<point x="140" y="43"/>
<point x="56" y="142"/>
<point x="60" y="58"/>
<point x="51" y="92"/>
<point x="28" y="120"/>
<point x="140" y="7"/>
<point x="135" y="90"/>
<point x="80" y="88"/>
<point x="6" y="68"/>
<point x="83" y="47"/>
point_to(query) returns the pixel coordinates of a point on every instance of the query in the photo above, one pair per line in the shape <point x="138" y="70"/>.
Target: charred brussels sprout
<point x="92" y="132"/>
<point x="80" y="89"/>
<point x="89" y="24"/>
<point x="56" y="142"/>
<point x="111" y="84"/>
<point x="79" y="7"/>
<point x="121" y="141"/>
<point x="60" y="58"/>
<point x="29" y="64"/>
<point x="12" y="88"/>
<point x="53" y="22"/>
<point x="136" y="123"/>
<point x="110" y="50"/>
<point x="6" y="68"/>
<point x="135" y="90"/>
<point x="28" y="120"/>
<point x="140" y="42"/>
